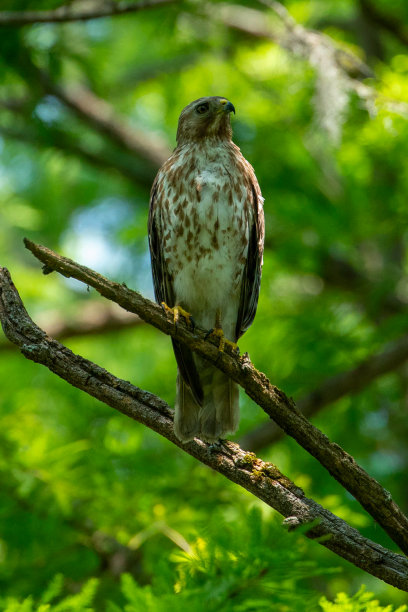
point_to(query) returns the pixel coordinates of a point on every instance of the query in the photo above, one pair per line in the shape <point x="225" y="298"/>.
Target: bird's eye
<point x="202" y="108"/>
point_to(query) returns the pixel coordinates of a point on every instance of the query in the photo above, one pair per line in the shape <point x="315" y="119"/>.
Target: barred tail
<point x="219" y="413"/>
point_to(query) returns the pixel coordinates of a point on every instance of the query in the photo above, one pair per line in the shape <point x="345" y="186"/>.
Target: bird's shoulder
<point x="190" y="166"/>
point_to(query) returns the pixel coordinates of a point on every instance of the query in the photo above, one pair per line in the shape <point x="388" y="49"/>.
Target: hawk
<point x="206" y="236"/>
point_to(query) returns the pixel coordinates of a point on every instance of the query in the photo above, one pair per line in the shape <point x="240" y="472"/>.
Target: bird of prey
<point x="206" y="235"/>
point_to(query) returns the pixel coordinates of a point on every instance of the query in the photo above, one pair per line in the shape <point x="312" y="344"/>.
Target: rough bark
<point x="263" y="480"/>
<point x="371" y="495"/>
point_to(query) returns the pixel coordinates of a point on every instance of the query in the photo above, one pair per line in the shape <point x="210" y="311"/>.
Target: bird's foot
<point x="220" y="446"/>
<point x="176" y="312"/>
<point x="217" y="332"/>
<point x="216" y="446"/>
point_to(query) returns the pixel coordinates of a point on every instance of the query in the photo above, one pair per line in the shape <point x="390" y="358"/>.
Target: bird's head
<point x="205" y="118"/>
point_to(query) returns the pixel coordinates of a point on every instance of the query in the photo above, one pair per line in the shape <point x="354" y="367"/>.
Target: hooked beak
<point x="227" y="106"/>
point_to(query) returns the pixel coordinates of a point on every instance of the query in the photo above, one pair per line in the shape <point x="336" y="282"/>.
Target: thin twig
<point x="371" y="495"/>
<point x="76" y="12"/>
<point x="262" y="479"/>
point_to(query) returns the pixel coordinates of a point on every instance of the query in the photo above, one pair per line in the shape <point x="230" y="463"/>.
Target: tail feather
<point x="219" y="413"/>
<point x="188" y="370"/>
<point x="186" y="418"/>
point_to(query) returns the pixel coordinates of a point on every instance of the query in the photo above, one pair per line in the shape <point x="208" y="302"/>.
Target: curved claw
<point x="218" y="333"/>
<point x="208" y="334"/>
<point x="175" y="312"/>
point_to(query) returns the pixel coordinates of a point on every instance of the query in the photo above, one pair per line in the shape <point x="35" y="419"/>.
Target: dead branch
<point x="370" y="494"/>
<point x="262" y="479"/>
<point x="75" y="12"/>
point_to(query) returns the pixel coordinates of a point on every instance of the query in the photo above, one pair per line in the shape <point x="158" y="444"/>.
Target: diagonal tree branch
<point x="150" y="150"/>
<point x="57" y="139"/>
<point x="262" y="479"/>
<point x="290" y="35"/>
<point x="371" y="495"/>
<point x="334" y="388"/>
<point x="95" y="318"/>
<point x="340" y="273"/>
<point x="314" y="46"/>
<point x="99" y="114"/>
<point x="75" y="12"/>
<point x="339" y="72"/>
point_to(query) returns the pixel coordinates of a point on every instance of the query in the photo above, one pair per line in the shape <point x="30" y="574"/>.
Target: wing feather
<point x="163" y="289"/>
<point x="164" y="292"/>
<point x="251" y="280"/>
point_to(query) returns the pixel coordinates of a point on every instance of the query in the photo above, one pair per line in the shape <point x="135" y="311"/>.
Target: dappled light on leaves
<point x="97" y="511"/>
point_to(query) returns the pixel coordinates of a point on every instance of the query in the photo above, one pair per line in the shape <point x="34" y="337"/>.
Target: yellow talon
<point x="218" y="333"/>
<point x="176" y="311"/>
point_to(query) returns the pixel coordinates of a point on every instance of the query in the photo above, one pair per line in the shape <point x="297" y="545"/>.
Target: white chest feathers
<point x="205" y="229"/>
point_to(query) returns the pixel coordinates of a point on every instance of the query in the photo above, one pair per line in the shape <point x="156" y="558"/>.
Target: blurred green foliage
<point x="103" y="511"/>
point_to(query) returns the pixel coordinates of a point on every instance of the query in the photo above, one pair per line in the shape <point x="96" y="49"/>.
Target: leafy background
<point x="96" y="511"/>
